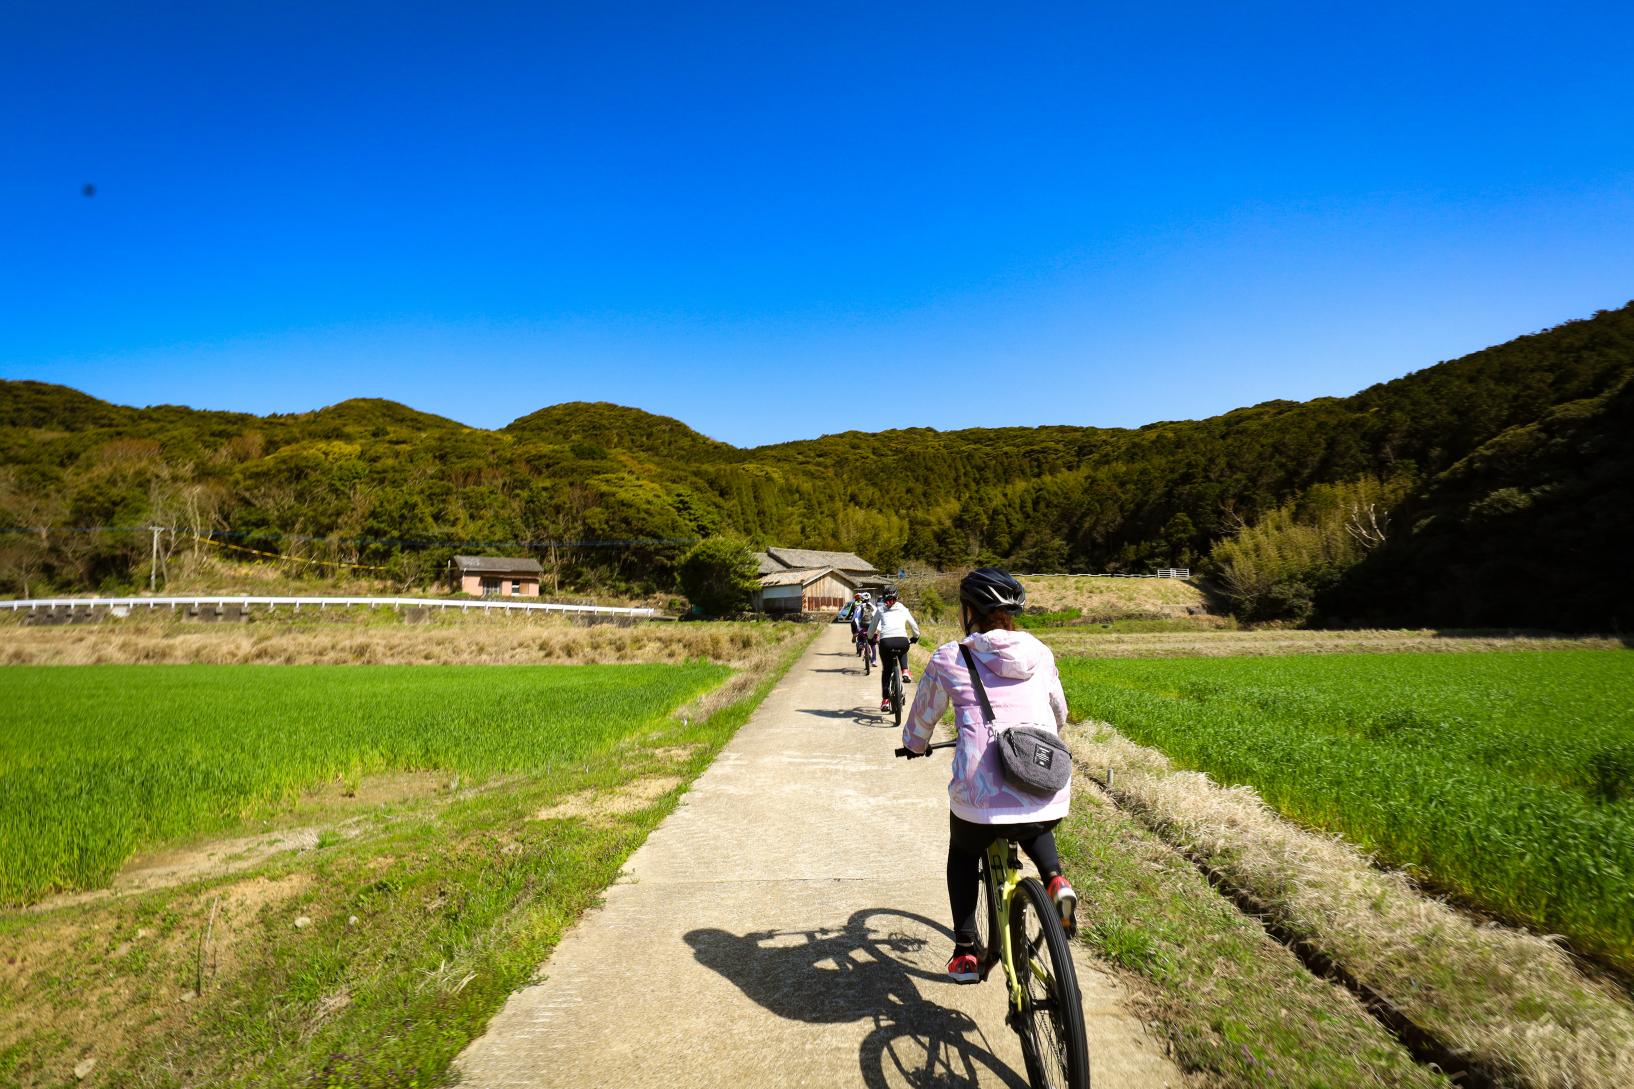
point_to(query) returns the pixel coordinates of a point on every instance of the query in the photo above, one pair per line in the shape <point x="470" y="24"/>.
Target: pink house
<point x="496" y="576"/>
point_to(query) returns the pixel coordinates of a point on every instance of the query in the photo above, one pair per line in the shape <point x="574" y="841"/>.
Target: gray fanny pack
<point x="1035" y="760"/>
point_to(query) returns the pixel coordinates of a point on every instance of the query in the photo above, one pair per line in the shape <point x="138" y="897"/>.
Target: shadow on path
<point x="863" y="971"/>
<point x="860" y="716"/>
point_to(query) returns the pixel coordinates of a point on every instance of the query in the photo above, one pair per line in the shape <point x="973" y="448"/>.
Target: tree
<point x="718" y="575"/>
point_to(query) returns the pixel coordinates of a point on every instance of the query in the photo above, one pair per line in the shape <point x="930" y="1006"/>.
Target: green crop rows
<point x="1504" y="778"/>
<point x="98" y="762"/>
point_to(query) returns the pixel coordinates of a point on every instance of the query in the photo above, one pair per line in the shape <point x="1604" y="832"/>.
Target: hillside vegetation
<point x="1505" y="464"/>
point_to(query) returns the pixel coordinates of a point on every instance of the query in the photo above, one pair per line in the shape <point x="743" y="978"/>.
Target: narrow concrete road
<point x="787" y="926"/>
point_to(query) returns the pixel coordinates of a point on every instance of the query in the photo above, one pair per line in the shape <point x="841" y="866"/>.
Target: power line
<point x="404" y="542"/>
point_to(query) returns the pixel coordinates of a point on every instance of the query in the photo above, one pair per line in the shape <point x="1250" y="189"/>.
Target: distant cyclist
<point x="890" y="627"/>
<point x="1023" y="687"/>
<point x="862" y="611"/>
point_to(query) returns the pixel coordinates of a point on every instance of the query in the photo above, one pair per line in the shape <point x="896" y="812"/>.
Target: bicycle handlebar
<point x="909" y="754"/>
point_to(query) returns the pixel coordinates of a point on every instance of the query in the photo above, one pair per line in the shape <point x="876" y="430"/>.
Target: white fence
<point x="1160" y="573"/>
<point x="122" y="606"/>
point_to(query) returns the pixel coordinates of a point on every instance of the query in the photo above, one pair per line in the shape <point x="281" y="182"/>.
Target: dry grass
<point x="1514" y="1002"/>
<point x="386" y="639"/>
<point x="1105" y="598"/>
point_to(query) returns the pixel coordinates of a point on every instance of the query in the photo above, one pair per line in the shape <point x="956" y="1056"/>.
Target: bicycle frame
<point x="1002" y="874"/>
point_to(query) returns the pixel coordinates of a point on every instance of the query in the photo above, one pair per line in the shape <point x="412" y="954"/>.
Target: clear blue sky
<point x="941" y="215"/>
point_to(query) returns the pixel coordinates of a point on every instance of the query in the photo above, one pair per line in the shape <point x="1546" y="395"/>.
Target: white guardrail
<point x="1160" y="573"/>
<point x="128" y="604"/>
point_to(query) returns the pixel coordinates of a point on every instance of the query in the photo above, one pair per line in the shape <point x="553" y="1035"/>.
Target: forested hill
<point x="617" y="493"/>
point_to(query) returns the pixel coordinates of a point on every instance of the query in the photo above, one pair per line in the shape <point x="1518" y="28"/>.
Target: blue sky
<point x="902" y="215"/>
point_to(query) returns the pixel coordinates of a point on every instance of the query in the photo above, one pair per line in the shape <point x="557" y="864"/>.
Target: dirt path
<point x="786" y="926"/>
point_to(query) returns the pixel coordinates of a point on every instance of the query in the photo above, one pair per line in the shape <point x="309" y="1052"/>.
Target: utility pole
<point x="153" y="566"/>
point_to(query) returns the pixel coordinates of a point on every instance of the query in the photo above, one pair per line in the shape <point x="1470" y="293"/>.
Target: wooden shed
<point x="812" y="590"/>
<point x="496" y="576"/>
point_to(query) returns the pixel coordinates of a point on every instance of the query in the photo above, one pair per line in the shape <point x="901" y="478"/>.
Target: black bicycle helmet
<point x="988" y="588"/>
<point x="889" y="594"/>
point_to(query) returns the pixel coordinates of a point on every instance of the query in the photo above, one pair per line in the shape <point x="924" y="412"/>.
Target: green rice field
<point x="1505" y="778"/>
<point x="100" y="762"/>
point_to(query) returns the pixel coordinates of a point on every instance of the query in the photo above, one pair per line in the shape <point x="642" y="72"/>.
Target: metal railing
<point x="1160" y="573"/>
<point x="123" y="605"/>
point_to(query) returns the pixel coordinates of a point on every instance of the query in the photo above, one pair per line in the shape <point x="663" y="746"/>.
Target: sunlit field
<point x="1505" y="778"/>
<point x="99" y="762"/>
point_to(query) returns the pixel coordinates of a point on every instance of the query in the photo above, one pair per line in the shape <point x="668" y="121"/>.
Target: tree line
<point x="1487" y="463"/>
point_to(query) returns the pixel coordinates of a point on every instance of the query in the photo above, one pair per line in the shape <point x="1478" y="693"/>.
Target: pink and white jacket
<point x="1025" y="690"/>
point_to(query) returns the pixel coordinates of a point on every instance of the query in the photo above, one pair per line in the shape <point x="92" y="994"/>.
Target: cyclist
<point x="862" y="611"/>
<point x="890" y="627"/>
<point x="1023" y="687"/>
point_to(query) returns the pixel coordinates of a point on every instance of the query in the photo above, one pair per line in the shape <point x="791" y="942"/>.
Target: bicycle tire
<point x="1051" y="1021"/>
<point x="867" y="663"/>
<point x="988" y="957"/>
<point x="896" y="695"/>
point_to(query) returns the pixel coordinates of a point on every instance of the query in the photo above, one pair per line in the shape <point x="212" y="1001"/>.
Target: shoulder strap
<point x="976" y="681"/>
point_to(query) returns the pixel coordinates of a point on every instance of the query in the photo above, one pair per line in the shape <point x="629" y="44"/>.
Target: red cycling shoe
<point x="964" y="968"/>
<point x="1066" y="902"/>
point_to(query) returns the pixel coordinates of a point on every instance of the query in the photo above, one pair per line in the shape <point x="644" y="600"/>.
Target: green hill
<point x="617" y="492"/>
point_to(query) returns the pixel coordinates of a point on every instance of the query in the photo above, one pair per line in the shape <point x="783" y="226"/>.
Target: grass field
<point x="97" y="763"/>
<point x="1505" y="778"/>
<point x="372" y="949"/>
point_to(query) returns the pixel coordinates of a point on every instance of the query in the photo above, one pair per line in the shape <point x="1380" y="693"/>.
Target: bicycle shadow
<point x="861" y="972"/>
<point x="857" y="716"/>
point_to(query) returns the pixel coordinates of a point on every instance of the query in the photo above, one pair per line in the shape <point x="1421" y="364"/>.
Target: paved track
<point x="786" y="926"/>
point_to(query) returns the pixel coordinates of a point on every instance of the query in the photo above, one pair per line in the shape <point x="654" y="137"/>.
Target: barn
<point x="809" y="590"/>
<point x="796" y="580"/>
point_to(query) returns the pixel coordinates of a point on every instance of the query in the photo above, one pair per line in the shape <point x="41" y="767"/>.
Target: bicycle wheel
<point x="989" y="955"/>
<point x="896" y="692"/>
<point x="1051" y="1022"/>
<point x="867" y="661"/>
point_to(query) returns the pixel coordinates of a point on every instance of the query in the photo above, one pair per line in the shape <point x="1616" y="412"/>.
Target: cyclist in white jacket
<point x="890" y="627"/>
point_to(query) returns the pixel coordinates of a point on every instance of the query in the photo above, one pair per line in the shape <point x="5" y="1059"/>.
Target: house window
<point x="516" y="587"/>
<point x="490" y="586"/>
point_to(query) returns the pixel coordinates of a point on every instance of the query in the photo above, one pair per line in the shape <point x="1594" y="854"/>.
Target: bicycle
<point x="1046" y="1007"/>
<point x="865" y="651"/>
<point x="895" y="685"/>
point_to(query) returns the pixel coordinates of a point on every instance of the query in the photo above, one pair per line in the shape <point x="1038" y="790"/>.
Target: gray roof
<point x="499" y="565"/>
<point x="804" y="577"/>
<point x="807" y="558"/>
<point x="765" y="565"/>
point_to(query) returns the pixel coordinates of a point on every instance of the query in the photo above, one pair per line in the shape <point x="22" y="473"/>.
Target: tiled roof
<point x="808" y="558"/>
<point x="803" y="577"/>
<point x="766" y="565"/>
<point x="499" y="565"/>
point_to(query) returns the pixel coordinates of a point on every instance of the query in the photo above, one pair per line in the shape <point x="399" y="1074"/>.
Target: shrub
<point x="718" y="576"/>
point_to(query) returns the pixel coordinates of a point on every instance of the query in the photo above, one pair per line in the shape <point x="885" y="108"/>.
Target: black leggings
<point x="967" y="842"/>
<point x="893" y="654"/>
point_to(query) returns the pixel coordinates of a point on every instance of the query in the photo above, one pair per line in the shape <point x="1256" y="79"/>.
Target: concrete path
<point x="786" y="926"/>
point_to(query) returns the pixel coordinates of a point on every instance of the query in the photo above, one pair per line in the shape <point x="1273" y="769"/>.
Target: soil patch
<point x="594" y="805"/>
<point x="179" y="864"/>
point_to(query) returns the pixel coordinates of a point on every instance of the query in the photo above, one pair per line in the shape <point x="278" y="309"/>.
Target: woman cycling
<point x="893" y="628"/>
<point x="1024" y="688"/>
<point x="862" y="611"/>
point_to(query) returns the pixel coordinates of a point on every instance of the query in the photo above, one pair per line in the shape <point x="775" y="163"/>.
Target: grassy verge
<point x="1235" y="1006"/>
<point x="1505" y="778"/>
<point x="1512" y="1004"/>
<point x="368" y="960"/>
